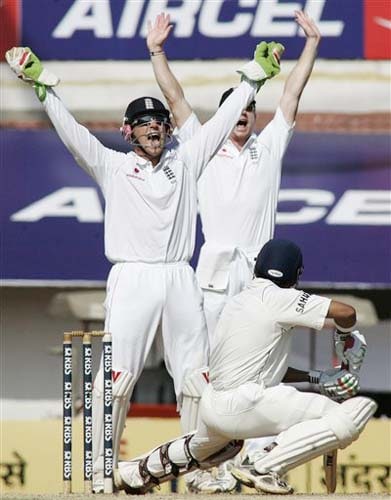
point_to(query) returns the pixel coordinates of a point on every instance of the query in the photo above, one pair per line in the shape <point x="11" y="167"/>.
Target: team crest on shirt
<point x="169" y="174"/>
<point x="254" y="154"/>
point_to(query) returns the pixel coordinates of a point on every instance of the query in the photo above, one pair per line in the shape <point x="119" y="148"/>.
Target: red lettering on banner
<point x="377" y="29"/>
<point x="9" y="24"/>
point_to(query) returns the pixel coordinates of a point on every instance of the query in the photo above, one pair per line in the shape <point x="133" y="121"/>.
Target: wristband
<point x="341" y="336"/>
<point x="343" y="329"/>
<point x="156" y="53"/>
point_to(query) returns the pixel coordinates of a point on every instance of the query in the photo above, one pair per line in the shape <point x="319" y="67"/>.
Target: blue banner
<point x="335" y="203"/>
<point x="203" y="29"/>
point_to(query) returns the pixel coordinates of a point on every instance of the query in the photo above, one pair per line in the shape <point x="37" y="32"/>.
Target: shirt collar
<point x="249" y="141"/>
<point x="229" y="144"/>
<point x="145" y="164"/>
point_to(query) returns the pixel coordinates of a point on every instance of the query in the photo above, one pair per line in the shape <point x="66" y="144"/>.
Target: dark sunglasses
<point x="251" y="107"/>
<point x="144" y="119"/>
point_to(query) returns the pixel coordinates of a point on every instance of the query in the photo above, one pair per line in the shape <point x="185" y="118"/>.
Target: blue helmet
<point x="280" y="261"/>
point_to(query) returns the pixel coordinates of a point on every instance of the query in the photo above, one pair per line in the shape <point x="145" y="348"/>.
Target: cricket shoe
<point x="133" y="478"/>
<point x="270" y="482"/>
<point x="216" y="480"/>
<point x="97" y="481"/>
<point x="98" y="484"/>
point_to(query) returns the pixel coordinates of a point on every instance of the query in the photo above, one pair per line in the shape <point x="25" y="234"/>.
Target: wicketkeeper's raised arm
<point x="88" y="152"/>
<point x="158" y="33"/>
<point x="301" y="72"/>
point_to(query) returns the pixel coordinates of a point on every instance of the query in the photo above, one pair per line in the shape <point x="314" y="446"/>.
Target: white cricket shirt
<point x="150" y="213"/>
<point x="238" y="195"/>
<point x="252" y="339"/>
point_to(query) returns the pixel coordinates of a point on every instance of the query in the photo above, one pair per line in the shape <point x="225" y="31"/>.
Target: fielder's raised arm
<point x="265" y="65"/>
<point x="158" y="33"/>
<point x="301" y="72"/>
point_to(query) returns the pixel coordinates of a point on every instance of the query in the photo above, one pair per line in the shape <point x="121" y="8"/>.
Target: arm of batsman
<point x="351" y="349"/>
<point x="337" y="384"/>
<point x="266" y="63"/>
<point x="26" y="65"/>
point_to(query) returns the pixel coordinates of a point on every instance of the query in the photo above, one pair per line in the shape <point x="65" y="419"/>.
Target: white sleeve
<point x="276" y="135"/>
<point x="188" y="129"/>
<point x="97" y="160"/>
<point x="293" y="307"/>
<point x="199" y="150"/>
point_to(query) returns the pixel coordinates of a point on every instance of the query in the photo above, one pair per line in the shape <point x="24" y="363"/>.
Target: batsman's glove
<point x="351" y="349"/>
<point x="337" y="384"/>
<point x="28" y="67"/>
<point x="265" y="65"/>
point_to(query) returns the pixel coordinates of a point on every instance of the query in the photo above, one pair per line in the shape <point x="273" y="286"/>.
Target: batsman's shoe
<point x="128" y="477"/>
<point x="217" y="480"/>
<point x="265" y="65"/>
<point x="97" y="486"/>
<point x="97" y="477"/>
<point x="28" y="67"/>
<point x="270" y="482"/>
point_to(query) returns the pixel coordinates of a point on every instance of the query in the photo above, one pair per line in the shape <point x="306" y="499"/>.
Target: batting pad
<point x="193" y="387"/>
<point x="307" y="440"/>
<point x="122" y="390"/>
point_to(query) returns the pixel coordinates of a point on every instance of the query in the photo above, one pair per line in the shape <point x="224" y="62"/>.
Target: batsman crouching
<point x="245" y="397"/>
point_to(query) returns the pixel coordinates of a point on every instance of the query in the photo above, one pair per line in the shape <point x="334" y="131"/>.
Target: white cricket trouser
<point x="307" y="425"/>
<point x="250" y="411"/>
<point x="142" y="297"/>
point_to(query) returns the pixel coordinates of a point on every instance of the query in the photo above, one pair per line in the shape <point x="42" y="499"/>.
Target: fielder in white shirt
<point x="150" y="217"/>
<point x="237" y="193"/>
<point x="245" y="398"/>
<point x="238" y="196"/>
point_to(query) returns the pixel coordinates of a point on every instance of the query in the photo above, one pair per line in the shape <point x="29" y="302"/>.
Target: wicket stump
<point x="87" y="410"/>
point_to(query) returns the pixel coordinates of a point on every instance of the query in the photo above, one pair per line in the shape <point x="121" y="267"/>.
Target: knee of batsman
<point x="348" y="420"/>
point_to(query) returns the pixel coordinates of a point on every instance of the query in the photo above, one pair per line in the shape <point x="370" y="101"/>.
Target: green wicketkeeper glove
<point x="265" y="65"/>
<point x="29" y="68"/>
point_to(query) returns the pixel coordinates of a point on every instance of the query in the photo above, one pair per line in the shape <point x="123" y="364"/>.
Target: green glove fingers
<point x="269" y="59"/>
<point x="265" y="65"/>
<point x="29" y="68"/>
<point x="261" y="50"/>
<point x="275" y="52"/>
